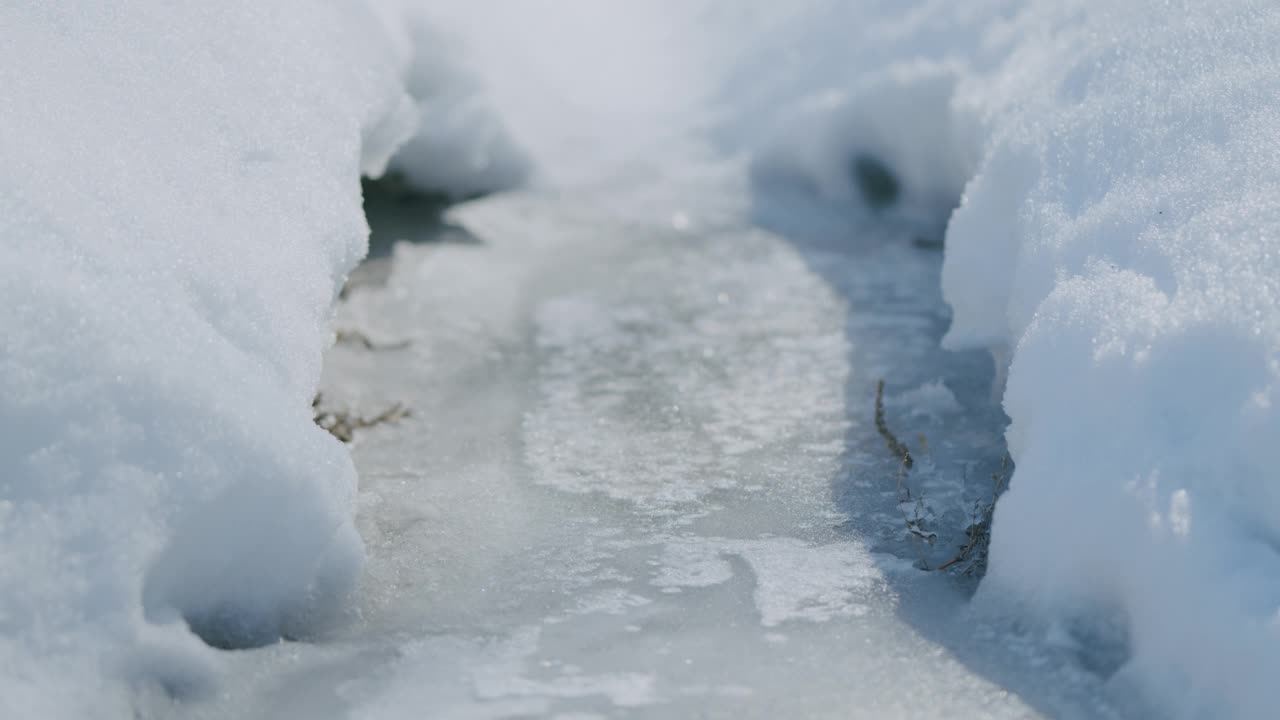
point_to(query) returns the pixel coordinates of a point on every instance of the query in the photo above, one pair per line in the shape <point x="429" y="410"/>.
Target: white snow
<point x="1115" y="247"/>
<point x="180" y="205"/>
<point x="1121" y="238"/>
<point x="461" y="146"/>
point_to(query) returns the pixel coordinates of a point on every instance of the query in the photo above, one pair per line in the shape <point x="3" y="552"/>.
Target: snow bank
<point x="179" y="206"/>
<point x="567" y="93"/>
<point x="871" y="93"/>
<point x="462" y="147"/>
<point x="1122" y="237"/>
<point x="1117" y="172"/>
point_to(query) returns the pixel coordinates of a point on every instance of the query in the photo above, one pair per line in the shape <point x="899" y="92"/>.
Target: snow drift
<point x="1122" y="238"/>
<point x="461" y="147"/>
<point x="1117" y="173"/>
<point x="180" y="204"/>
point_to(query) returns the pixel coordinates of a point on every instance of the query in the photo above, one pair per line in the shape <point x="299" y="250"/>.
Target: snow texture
<point x="461" y="147"/>
<point x="181" y="204"/>
<point x="1120" y="237"/>
<point x="1115" y="246"/>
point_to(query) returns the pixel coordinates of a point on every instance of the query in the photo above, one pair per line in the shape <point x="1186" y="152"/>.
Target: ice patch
<point x="795" y="581"/>
<point x="675" y="412"/>
<point x="622" y="689"/>
<point x="610" y="601"/>
<point x="692" y="564"/>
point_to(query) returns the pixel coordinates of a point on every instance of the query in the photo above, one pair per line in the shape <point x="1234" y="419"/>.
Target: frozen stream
<point x="641" y="478"/>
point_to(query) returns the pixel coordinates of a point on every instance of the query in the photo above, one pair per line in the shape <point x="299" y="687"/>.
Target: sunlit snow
<point x="646" y="470"/>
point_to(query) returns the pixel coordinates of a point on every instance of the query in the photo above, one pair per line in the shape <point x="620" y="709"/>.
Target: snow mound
<point x="887" y="144"/>
<point x="462" y="147"/>
<point x="180" y="206"/>
<point x="1116" y="168"/>
<point x="1121" y="238"/>
<point x="586" y="92"/>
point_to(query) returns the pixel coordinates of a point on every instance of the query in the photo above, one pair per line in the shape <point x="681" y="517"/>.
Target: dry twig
<point x="979" y="531"/>
<point x="917" y="516"/>
<point x="895" y="445"/>
<point x="343" y="425"/>
<point x="355" y="337"/>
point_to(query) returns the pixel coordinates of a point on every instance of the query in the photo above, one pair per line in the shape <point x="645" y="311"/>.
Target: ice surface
<point x="549" y="534"/>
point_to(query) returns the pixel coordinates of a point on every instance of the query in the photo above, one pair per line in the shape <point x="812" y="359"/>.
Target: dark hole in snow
<point x="398" y="211"/>
<point x="878" y="185"/>
<point x="1102" y="642"/>
<point x="227" y="629"/>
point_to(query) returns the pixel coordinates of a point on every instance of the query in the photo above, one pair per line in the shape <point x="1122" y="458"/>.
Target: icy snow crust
<point x="182" y="204"/>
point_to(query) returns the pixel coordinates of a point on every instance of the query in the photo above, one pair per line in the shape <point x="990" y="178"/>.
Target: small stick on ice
<point x="979" y="530"/>
<point x="915" y="519"/>
<point x="343" y="425"/>
<point x="895" y="446"/>
<point x="355" y="337"/>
